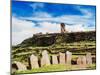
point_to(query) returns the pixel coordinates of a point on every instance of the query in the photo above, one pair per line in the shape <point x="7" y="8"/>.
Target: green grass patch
<point x="55" y="68"/>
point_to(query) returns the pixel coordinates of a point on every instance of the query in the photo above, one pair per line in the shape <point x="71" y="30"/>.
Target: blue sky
<point x="29" y="18"/>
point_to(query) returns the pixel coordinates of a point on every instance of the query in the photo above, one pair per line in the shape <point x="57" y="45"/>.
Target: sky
<point x="29" y="18"/>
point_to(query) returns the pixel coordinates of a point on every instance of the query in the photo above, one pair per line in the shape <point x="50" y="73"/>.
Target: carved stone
<point x="68" y="57"/>
<point x="54" y="59"/>
<point x="89" y="58"/>
<point x="19" y="66"/>
<point x="62" y="58"/>
<point x="45" y="58"/>
<point x="33" y="61"/>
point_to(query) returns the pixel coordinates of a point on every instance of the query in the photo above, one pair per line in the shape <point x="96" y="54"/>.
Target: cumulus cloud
<point x="41" y="15"/>
<point x="70" y="19"/>
<point x="21" y="30"/>
<point x="78" y="28"/>
<point x="87" y="12"/>
<point x="36" y="6"/>
<point x="25" y="27"/>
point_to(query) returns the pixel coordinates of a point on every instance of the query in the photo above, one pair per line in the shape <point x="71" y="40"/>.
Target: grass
<point x="21" y="54"/>
<point x="55" y="68"/>
<point x="93" y="66"/>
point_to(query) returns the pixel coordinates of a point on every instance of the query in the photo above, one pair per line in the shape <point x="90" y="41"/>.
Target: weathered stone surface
<point x="83" y="60"/>
<point x="63" y="30"/>
<point x="45" y="58"/>
<point x="89" y="58"/>
<point x="54" y="59"/>
<point x="20" y="66"/>
<point x="41" y="40"/>
<point x="79" y="60"/>
<point x="33" y="61"/>
<point x="62" y="58"/>
<point x="68" y="57"/>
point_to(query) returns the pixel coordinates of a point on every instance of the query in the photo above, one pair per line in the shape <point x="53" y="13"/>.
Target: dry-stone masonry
<point x="54" y="59"/>
<point x="62" y="58"/>
<point x="83" y="60"/>
<point x="33" y="61"/>
<point x="45" y="58"/>
<point x="79" y="60"/>
<point x="20" y="66"/>
<point x="89" y="58"/>
<point x="68" y="57"/>
<point x="63" y="30"/>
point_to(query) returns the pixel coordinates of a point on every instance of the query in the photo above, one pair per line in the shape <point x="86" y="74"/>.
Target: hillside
<point x="77" y="42"/>
<point x="54" y="38"/>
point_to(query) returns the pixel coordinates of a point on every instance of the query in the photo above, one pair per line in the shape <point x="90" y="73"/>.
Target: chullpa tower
<point x="63" y="30"/>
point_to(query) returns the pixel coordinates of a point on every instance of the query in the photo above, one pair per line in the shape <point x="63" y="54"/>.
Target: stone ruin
<point x="62" y="58"/>
<point x="19" y="66"/>
<point x="33" y="61"/>
<point x="54" y="59"/>
<point x="89" y="58"/>
<point x="81" y="61"/>
<point x="68" y="57"/>
<point x="63" y="30"/>
<point x="45" y="58"/>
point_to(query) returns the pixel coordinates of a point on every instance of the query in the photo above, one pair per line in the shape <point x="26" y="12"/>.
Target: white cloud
<point x="70" y="19"/>
<point x="22" y="28"/>
<point x="42" y="14"/>
<point x="37" y="5"/>
<point x="78" y="27"/>
<point x="88" y="17"/>
<point x="87" y="12"/>
<point x="49" y="27"/>
<point x="20" y="25"/>
<point x="75" y="28"/>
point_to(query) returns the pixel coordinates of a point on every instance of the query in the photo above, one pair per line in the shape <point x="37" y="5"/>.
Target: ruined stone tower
<point x="63" y="30"/>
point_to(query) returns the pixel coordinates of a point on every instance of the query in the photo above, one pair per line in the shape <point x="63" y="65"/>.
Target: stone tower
<point x="63" y="30"/>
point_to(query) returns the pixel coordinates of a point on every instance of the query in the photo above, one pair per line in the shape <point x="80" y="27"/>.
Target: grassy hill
<point x="77" y="42"/>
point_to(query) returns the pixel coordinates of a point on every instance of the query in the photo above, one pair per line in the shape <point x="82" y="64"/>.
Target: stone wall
<point x="49" y="39"/>
<point x="61" y="58"/>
